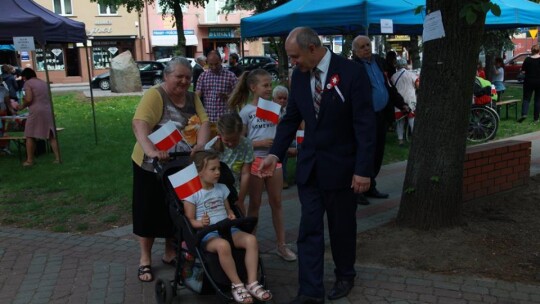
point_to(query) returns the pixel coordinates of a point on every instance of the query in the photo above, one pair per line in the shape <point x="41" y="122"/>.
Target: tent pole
<point x="91" y="91"/>
<point x="44" y="48"/>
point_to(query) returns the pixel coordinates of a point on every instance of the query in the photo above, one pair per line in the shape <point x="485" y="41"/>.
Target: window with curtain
<point x="63" y="7"/>
<point x="107" y="10"/>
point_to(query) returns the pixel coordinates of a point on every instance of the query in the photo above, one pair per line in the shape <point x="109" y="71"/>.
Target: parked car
<point x="151" y="74"/>
<point x="260" y="62"/>
<point x="512" y="66"/>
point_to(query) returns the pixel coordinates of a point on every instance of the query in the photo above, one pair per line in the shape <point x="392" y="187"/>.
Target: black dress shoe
<point x="341" y="289"/>
<point x="306" y="300"/>
<point x="361" y="199"/>
<point x="376" y="194"/>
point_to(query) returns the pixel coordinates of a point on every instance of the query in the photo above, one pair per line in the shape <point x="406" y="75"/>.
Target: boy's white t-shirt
<point x="210" y="201"/>
<point x="257" y="128"/>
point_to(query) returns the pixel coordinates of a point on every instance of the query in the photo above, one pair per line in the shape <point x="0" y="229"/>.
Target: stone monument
<point x="125" y="75"/>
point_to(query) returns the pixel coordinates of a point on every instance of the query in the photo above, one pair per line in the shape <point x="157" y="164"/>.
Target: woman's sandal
<point x="143" y="270"/>
<point x="258" y="292"/>
<point x="240" y="294"/>
<point x="27" y="164"/>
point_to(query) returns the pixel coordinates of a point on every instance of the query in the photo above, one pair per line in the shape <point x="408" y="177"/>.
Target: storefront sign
<point x="100" y="30"/>
<point x="171" y="32"/>
<point x="220" y="32"/>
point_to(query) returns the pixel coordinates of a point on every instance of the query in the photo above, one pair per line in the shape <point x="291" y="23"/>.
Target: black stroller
<point x="197" y="269"/>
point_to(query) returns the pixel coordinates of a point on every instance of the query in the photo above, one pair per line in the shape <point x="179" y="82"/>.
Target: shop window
<point x="63" y="7"/>
<point x="107" y="10"/>
<point x="52" y="57"/>
<point x="103" y="56"/>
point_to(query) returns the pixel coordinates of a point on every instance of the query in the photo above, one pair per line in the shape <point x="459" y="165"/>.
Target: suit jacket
<point x="340" y="143"/>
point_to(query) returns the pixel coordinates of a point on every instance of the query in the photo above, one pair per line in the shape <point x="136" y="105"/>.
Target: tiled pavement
<point x="43" y="267"/>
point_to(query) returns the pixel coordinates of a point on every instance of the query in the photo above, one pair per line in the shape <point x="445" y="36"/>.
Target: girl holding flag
<point x="260" y="116"/>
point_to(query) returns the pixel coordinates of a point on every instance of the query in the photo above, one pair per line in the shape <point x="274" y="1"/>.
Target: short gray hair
<point x="280" y="90"/>
<point x="306" y="36"/>
<point x="176" y="61"/>
<point x="200" y="58"/>
<point x="401" y="63"/>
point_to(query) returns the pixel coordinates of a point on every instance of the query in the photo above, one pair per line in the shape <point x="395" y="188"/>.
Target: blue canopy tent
<point x="364" y="16"/>
<point x="334" y="17"/>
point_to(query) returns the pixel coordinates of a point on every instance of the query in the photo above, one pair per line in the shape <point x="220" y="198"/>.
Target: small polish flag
<point x="299" y="136"/>
<point x="268" y="110"/>
<point x="166" y="137"/>
<point x="186" y="182"/>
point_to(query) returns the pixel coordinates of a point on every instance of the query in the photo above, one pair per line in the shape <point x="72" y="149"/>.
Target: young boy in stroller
<point x="210" y="229"/>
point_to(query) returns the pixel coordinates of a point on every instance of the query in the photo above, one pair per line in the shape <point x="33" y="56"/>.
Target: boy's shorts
<point x="257" y="162"/>
<point x="215" y="234"/>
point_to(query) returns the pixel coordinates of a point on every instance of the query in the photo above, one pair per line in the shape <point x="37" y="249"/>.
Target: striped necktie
<point x="318" y="91"/>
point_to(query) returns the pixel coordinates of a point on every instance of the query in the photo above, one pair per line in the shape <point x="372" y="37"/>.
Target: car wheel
<point x="105" y="84"/>
<point x="157" y="81"/>
<point x="275" y="75"/>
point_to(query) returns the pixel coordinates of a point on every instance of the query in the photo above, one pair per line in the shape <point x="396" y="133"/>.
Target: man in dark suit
<point x="385" y="98"/>
<point x="335" y="161"/>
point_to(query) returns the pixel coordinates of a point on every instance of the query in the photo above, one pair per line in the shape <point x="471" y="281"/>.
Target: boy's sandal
<point x="143" y="270"/>
<point x="240" y="294"/>
<point x="258" y="292"/>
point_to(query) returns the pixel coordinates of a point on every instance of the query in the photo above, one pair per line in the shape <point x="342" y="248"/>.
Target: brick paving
<point x="44" y="267"/>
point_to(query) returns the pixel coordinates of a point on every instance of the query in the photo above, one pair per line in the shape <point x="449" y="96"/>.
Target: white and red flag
<point x="186" y="182"/>
<point x="166" y="136"/>
<point x="268" y="110"/>
<point x="299" y="136"/>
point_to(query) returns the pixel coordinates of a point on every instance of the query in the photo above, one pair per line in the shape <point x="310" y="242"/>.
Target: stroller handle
<point x="173" y="155"/>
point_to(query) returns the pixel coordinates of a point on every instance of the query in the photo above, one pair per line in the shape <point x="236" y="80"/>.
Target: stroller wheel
<point x="164" y="292"/>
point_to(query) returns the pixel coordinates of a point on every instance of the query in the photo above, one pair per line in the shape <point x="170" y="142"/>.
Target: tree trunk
<point x="179" y="21"/>
<point x="278" y="45"/>
<point x="432" y="191"/>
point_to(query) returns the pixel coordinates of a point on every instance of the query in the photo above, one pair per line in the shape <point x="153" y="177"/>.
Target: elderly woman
<point x="167" y="101"/>
<point x="40" y="120"/>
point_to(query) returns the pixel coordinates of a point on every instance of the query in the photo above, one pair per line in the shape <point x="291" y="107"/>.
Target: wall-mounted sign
<point x="113" y="50"/>
<point x="171" y="32"/>
<point x="25" y="56"/>
<point x="24" y="43"/>
<point x="220" y="32"/>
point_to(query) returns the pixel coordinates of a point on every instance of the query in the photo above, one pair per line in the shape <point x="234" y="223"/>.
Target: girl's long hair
<point x="227" y="124"/>
<point x="240" y="94"/>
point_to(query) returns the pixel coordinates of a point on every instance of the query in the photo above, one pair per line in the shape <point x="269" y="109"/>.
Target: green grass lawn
<point x="91" y="190"/>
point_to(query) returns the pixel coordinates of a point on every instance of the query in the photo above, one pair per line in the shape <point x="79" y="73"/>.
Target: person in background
<point x="405" y="82"/>
<point x="334" y="163"/>
<point x="252" y="86"/>
<point x="39" y="123"/>
<point x="390" y="63"/>
<point x="234" y="66"/>
<point x="10" y="81"/>
<point x="384" y="97"/>
<point x="531" y="84"/>
<point x="214" y="87"/>
<point x="498" y="77"/>
<point x="169" y="101"/>
<point x="209" y="206"/>
<point x="480" y="70"/>
<point x="200" y="62"/>
<point x="280" y="94"/>
<point x="236" y="151"/>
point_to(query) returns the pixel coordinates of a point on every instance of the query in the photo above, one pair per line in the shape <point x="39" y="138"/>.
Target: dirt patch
<point x="500" y="239"/>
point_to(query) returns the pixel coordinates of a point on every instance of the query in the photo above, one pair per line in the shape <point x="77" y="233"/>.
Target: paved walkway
<point x="44" y="267"/>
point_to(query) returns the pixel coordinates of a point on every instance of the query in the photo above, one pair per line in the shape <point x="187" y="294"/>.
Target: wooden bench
<point x="20" y="142"/>
<point x="508" y="103"/>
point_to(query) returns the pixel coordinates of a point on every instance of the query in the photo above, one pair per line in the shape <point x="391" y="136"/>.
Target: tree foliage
<point x="168" y="5"/>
